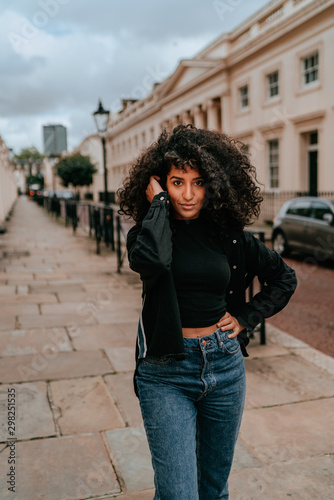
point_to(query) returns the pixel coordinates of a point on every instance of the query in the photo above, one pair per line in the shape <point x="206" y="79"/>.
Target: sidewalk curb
<point x="300" y="348"/>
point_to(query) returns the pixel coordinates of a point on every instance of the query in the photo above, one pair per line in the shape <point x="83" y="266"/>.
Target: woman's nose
<point x="188" y="192"/>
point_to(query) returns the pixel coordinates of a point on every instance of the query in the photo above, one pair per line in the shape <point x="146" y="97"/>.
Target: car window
<point x="319" y="209"/>
<point x="301" y="208"/>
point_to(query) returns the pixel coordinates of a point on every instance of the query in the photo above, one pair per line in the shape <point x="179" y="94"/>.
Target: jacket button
<point x="230" y="292"/>
<point x="234" y="267"/>
<point x="162" y="198"/>
<point x="234" y="241"/>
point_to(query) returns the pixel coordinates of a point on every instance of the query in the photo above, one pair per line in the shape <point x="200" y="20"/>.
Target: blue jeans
<point x="192" y="412"/>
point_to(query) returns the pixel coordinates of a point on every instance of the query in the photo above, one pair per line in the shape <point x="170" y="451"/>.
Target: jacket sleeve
<point x="149" y="246"/>
<point x="278" y="280"/>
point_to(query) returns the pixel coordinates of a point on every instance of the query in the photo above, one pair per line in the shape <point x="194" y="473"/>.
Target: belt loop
<point x="218" y="339"/>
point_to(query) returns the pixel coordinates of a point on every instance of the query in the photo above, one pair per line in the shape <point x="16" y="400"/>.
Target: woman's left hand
<point x="229" y="322"/>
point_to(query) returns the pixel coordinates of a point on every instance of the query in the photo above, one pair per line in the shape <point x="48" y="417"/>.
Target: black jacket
<point x="150" y="254"/>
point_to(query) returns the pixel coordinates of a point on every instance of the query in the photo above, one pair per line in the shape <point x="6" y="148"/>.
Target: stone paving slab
<point x="55" y="288"/>
<point x="28" y="298"/>
<point x="16" y="277"/>
<point x="37" y="268"/>
<point x="54" y="320"/>
<point x="130" y="453"/>
<point x="33" y="415"/>
<point x="7" y="322"/>
<point x="309" y="479"/>
<point x="66" y="308"/>
<point x="59" y="365"/>
<point x="15" y="309"/>
<point x="6" y="290"/>
<point x="118" y="316"/>
<point x="104" y="336"/>
<point x="46" y="340"/>
<point x="293" y="431"/>
<point x="63" y="468"/>
<point x="243" y="458"/>
<point x="121" y="388"/>
<point x="85" y="405"/>
<point x="121" y="358"/>
<point x="285" y="379"/>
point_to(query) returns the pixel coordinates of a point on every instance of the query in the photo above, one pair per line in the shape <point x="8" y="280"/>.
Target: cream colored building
<point x="268" y="83"/>
<point x="8" y="183"/>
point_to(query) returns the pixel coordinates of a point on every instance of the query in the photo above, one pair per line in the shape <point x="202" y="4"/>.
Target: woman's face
<point x="187" y="192"/>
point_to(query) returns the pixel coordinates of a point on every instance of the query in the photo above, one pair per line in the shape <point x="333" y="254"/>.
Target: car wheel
<point x="280" y="244"/>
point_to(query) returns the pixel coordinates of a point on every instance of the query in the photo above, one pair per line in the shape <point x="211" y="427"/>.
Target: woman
<point x="191" y="194"/>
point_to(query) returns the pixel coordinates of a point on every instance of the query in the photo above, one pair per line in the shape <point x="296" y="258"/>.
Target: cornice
<point x="279" y="30"/>
<point x="309" y="116"/>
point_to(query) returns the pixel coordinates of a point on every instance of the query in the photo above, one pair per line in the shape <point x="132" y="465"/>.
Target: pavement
<point x="67" y="335"/>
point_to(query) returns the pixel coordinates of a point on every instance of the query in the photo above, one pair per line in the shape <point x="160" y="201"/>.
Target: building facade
<point x="54" y="139"/>
<point x="267" y="83"/>
<point x="8" y="184"/>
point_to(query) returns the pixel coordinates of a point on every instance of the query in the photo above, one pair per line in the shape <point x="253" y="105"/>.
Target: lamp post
<point x="101" y="117"/>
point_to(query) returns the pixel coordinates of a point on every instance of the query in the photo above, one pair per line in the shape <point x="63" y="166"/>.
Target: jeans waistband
<point x="215" y="337"/>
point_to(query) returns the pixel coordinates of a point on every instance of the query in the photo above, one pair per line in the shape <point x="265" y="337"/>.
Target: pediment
<point x="186" y="72"/>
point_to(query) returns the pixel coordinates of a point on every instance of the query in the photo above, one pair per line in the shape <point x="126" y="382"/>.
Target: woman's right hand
<point x="153" y="188"/>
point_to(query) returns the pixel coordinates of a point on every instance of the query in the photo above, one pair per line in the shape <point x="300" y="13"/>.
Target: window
<point x="310" y="69"/>
<point x="272" y="85"/>
<point x="319" y="210"/>
<point x="313" y="138"/>
<point x="273" y="164"/>
<point x="301" y="208"/>
<point x="243" y="97"/>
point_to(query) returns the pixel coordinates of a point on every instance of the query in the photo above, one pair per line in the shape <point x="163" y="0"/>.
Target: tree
<point x="36" y="179"/>
<point x="32" y="160"/>
<point x="76" y="169"/>
<point x="29" y="155"/>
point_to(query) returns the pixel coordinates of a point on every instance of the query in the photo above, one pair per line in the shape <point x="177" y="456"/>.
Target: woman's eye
<point x="177" y="183"/>
<point x="200" y="183"/>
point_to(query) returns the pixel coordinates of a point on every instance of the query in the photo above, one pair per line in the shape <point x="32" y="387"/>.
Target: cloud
<point x="58" y="57"/>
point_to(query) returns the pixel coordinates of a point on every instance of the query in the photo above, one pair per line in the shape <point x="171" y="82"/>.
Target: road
<point x="309" y="316"/>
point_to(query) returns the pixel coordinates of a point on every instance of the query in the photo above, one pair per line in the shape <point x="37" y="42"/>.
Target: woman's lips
<point x="187" y="207"/>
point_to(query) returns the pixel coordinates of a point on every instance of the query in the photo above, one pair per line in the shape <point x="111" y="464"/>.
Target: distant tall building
<point x="55" y="139"/>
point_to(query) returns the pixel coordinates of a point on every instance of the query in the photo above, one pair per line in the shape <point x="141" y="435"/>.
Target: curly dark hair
<point x="232" y="196"/>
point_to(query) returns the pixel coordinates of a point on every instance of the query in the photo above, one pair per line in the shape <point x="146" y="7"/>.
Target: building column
<point x="187" y="118"/>
<point x="199" y="117"/>
<point x="225" y="114"/>
<point x="213" y="111"/>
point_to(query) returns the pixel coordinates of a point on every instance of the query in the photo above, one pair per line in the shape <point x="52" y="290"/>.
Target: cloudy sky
<point x="58" y="57"/>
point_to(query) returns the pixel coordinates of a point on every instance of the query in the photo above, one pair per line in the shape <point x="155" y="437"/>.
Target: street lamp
<point x="101" y="117"/>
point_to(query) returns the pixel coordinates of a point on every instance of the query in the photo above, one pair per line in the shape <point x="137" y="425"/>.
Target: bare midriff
<point x="199" y="332"/>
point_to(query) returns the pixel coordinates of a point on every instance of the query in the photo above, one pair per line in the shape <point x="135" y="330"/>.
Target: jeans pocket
<point x="159" y="361"/>
<point x="231" y="346"/>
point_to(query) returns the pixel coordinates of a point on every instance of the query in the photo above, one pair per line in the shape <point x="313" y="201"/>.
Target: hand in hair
<point x="153" y="188"/>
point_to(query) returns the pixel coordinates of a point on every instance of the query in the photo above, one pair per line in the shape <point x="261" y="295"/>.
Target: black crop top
<point x="201" y="273"/>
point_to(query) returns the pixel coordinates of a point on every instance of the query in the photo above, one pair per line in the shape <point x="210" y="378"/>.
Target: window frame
<point x="242" y="106"/>
<point x="308" y="71"/>
<point x="271" y="166"/>
<point x="269" y="86"/>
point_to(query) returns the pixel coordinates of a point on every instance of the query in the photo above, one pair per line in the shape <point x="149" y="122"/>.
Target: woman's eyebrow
<point x="182" y="178"/>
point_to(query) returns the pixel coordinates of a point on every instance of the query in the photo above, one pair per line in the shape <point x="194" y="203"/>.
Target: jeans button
<point x="203" y="342"/>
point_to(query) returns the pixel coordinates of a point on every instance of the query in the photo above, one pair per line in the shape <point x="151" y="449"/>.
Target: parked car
<point x="305" y="224"/>
<point x="65" y="194"/>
